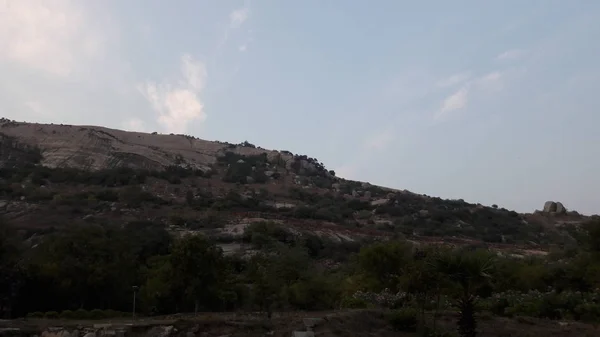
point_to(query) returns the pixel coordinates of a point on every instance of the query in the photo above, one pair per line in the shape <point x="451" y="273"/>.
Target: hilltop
<point x="58" y="175"/>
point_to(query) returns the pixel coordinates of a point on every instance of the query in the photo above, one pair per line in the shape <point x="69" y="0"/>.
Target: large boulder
<point x="549" y="207"/>
<point x="554" y="207"/>
<point x="560" y="208"/>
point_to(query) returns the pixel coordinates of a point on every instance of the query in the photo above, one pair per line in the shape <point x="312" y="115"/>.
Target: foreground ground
<point x="346" y="323"/>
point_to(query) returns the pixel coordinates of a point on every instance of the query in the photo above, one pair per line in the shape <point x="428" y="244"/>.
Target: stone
<point x="102" y="326"/>
<point x="310" y="323"/>
<point x="303" y="334"/>
<point x="549" y="207"/>
<point x="90" y="334"/>
<point x="560" y="208"/>
<point x="379" y="202"/>
<point x="160" y="331"/>
<point x="56" y="332"/>
<point x="190" y="334"/>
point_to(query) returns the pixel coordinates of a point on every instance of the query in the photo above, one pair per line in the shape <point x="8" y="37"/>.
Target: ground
<point x="357" y="323"/>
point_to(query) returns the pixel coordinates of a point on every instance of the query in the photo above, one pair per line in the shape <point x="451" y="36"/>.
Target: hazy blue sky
<point x="489" y="101"/>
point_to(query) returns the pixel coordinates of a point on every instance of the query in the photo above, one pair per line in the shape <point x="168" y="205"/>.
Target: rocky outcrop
<point x="94" y="147"/>
<point x="554" y="207"/>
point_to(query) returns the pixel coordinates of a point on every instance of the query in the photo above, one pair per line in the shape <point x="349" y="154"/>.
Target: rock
<point x="160" y="331"/>
<point x="269" y="173"/>
<point x="3" y="204"/>
<point x="190" y="334"/>
<point x="423" y="213"/>
<point x="90" y="334"/>
<point x="549" y="207"/>
<point x="102" y="326"/>
<point x="310" y="323"/>
<point x="56" y="332"/>
<point x="379" y="202"/>
<point x="560" y="208"/>
<point x="368" y="194"/>
<point x="554" y="207"/>
<point x="303" y="334"/>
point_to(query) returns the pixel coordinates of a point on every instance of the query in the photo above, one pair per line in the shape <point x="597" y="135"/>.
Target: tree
<point x="9" y="268"/>
<point x="199" y="269"/>
<point x="469" y="271"/>
<point x="383" y="264"/>
<point x="266" y="285"/>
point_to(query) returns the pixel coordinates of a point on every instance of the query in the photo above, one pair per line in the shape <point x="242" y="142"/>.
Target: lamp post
<point x="135" y="288"/>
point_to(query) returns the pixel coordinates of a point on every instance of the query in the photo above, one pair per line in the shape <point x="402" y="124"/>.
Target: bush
<point x="98" y="314"/>
<point x="67" y="314"/>
<point x="51" y="315"/>
<point x="36" y="314"/>
<point x="403" y="319"/>
<point x="354" y="303"/>
<point x="82" y="314"/>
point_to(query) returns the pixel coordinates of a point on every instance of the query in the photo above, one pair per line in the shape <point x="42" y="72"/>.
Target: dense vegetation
<point x="72" y="267"/>
<point x="95" y="267"/>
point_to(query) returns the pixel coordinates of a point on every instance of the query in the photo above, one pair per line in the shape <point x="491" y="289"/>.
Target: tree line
<point x="99" y="267"/>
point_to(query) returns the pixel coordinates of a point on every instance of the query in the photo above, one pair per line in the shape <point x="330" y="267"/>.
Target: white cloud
<point x="453" y="80"/>
<point x="177" y="106"/>
<point x="52" y="36"/>
<point x="512" y="54"/>
<point x="134" y="124"/>
<point x="490" y="81"/>
<point x="194" y="72"/>
<point x="379" y="141"/>
<point x="238" y="17"/>
<point x="491" y="77"/>
<point x="35" y="107"/>
<point x="347" y="172"/>
<point x="458" y="100"/>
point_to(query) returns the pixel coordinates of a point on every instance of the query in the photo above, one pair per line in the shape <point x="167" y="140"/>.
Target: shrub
<point x="354" y="303"/>
<point x="67" y="314"/>
<point x="36" y="314"/>
<point x="98" y="314"/>
<point x="81" y="314"/>
<point x="51" y="315"/>
<point x="403" y="319"/>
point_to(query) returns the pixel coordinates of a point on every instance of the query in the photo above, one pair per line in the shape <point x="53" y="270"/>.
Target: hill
<point x="57" y="175"/>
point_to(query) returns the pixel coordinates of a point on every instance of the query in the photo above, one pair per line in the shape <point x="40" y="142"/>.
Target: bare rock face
<point x="94" y="147"/>
<point x="554" y="207"/>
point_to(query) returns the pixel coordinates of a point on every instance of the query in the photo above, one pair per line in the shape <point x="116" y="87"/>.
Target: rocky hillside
<point x="58" y="175"/>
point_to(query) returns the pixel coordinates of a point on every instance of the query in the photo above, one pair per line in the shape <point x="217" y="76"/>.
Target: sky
<point x="494" y="102"/>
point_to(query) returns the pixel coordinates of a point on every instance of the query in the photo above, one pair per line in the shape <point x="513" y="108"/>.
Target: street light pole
<point x="135" y="288"/>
